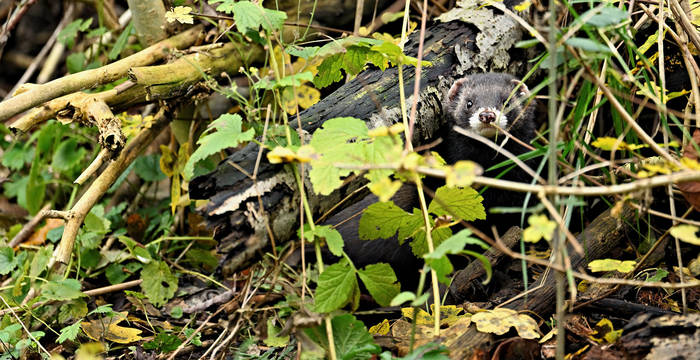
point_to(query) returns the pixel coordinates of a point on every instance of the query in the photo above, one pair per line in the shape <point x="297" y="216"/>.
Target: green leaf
<point x="382" y="221"/>
<point x="121" y="42"/>
<point x="304" y="52"/>
<point x="72" y="310"/>
<point x="329" y="71"/>
<point x="69" y="333"/>
<point x="587" y="45"/>
<point x="66" y="289"/>
<point x="273" y="340"/>
<point x="148" y="168"/>
<point x="455" y="244"/>
<point x="380" y="281"/>
<point x="15" y="157"/>
<point x="607" y="16"/>
<point x="75" y="62"/>
<point x="419" y="245"/>
<point x="443" y="267"/>
<point x="402" y="298"/>
<point x="36" y="186"/>
<point x="163" y="342"/>
<point x="335" y="287"/>
<point x="429" y="351"/>
<point x="463" y="203"/>
<point x="351" y="338"/>
<point x="159" y="284"/>
<point x="67" y="155"/>
<point x="7" y="257"/>
<point x="291" y="80"/>
<point x="333" y="238"/>
<point x="40" y="260"/>
<point x="228" y="134"/>
<point x="355" y="59"/>
<point x="67" y="35"/>
<point x="250" y="17"/>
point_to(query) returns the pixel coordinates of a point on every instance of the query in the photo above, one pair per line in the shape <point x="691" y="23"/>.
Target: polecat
<point x="475" y="103"/>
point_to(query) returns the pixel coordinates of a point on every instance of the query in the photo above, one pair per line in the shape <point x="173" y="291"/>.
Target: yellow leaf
<point x="686" y="233"/>
<point x="282" y="154"/>
<point x="499" y="321"/>
<point x="605" y="328"/>
<point x="107" y="328"/>
<point x="302" y="96"/>
<point x="181" y="14"/>
<point x="90" y="351"/>
<point x="384" y="188"/>
<point x="462" y="173"/>
<point x="422" y="316"/>
<point x="613" y="144"/>
<point x="540" y="227"/>
<point x="411" y="161"/>
<point x="523" y="6"/>
<point x="167" y="161"/>
<point x="612" y="265"/>
<point x="380" y="329"/>
<point x="690" y="163"/>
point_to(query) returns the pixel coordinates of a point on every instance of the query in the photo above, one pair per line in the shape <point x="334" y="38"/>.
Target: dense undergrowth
<point x="142" y="276"/>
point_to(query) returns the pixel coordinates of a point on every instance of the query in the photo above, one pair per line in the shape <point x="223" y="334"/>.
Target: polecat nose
<point x="487" y="117"/>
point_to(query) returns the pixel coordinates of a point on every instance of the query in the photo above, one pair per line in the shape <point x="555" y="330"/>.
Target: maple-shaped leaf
<point x="180" y="14"/>
<point x="540" y="227"/>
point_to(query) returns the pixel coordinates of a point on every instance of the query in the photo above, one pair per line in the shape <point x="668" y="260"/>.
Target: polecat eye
<point x="469" y="103"/>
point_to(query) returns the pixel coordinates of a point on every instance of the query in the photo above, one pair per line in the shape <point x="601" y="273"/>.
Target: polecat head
<point x="478" y="101"/>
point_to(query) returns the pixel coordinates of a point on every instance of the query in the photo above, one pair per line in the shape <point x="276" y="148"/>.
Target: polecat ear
<point x="455" y="89"/>
<point x="523" y="91"/>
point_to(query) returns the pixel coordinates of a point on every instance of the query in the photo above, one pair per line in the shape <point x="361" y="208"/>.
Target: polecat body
<point x="473" y="103"/>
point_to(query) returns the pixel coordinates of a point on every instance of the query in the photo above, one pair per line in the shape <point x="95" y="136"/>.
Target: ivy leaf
<point x="335" y="287"/>
<point x="463" y="203"/>
<point x="228" y="134"/>
<point x="159" y="284"/>
<point x="380" y="281"/>
<point x="69" y="333"/>
<point x="66" y="289"/>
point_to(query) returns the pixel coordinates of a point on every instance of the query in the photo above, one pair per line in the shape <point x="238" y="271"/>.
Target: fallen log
<point x="233" y="210"/>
